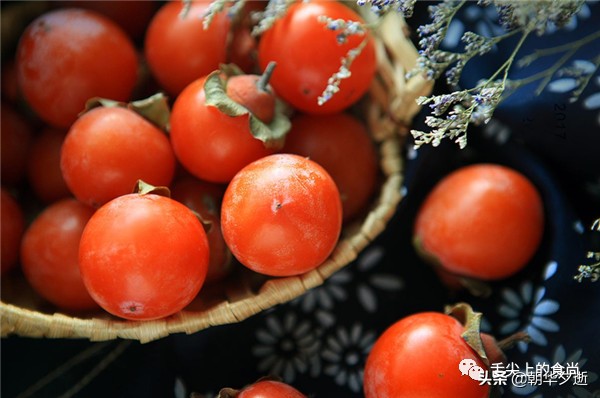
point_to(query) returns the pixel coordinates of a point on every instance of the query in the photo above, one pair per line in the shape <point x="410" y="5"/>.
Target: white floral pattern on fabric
<point x="562" y="85"/>
<point x="550" y="270"/>
<point x="584" y="13"/>
<point x="485" y="325"/>
<point x="286" y="347"/>
<point x="344" y="355"/>
<point x="497" y="131"/>
<point x="179" y="389"/>
<point x="403" y="191"/>
<point x="560" y="356"/>
<point x="321" y="300"/>
<point x="566" y="84"/>
<point x="588" y="102"/>
<point x="367" y="291"/>
<point x="485" y="20"/>
<point x="528" y="310"/>
<point x="592" y="102"/>
<point x="412" y="152"/>
<point x="578" y="227"/>
<point x="487" y="24"/>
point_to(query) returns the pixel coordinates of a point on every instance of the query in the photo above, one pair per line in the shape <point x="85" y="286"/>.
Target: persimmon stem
<point x="266" y="76"/>
<point x="511" y="340"/>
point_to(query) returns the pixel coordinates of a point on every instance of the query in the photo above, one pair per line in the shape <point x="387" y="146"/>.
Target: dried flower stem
<point x="333" y="84"/>
<point x="214" y="8"/>
<point x="585" y="80"/>
<point x="274" y="10"/>
<point x="454" y="112"/>
<point x="380" y="7"/>
<point x="217" y="6"/>
<point x="187" y="5"/>
<point x="544" y="52"/>
<point x="590" y="271"/>
<point x="474" y="105"/>
<point x="569" y="50"/>
<point x="344" y="29"/>
<point x="509" y="62"/>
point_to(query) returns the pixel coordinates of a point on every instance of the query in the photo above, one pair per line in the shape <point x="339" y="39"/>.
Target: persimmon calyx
<point x="143" y="188"/>
<point x="471" y="321"/>
<point x="272" y="133"/>
<point x="155" y="108"/>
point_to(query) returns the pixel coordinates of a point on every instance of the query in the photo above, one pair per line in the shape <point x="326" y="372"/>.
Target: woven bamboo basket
<point x="388" y="110"/>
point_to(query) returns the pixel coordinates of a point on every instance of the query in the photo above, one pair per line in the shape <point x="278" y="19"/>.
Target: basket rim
<point x="32" y="323"/>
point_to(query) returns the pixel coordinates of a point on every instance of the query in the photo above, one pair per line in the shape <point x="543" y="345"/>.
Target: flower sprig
<point x="333" y="83"/>
<point x="214" y="8"/>
<point x="590" y="271"/>
<point x="455" y="111"/>
<point x="263" y="20"/>
<point x="582" y="75"/>
<point x="234" y="8"/>
<point x="379" y="7"/>
<point x="344" y="29"/>
<point x="472" y="106"/>
<point x="274" y="10"/>
<point x="432" y="61"/>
